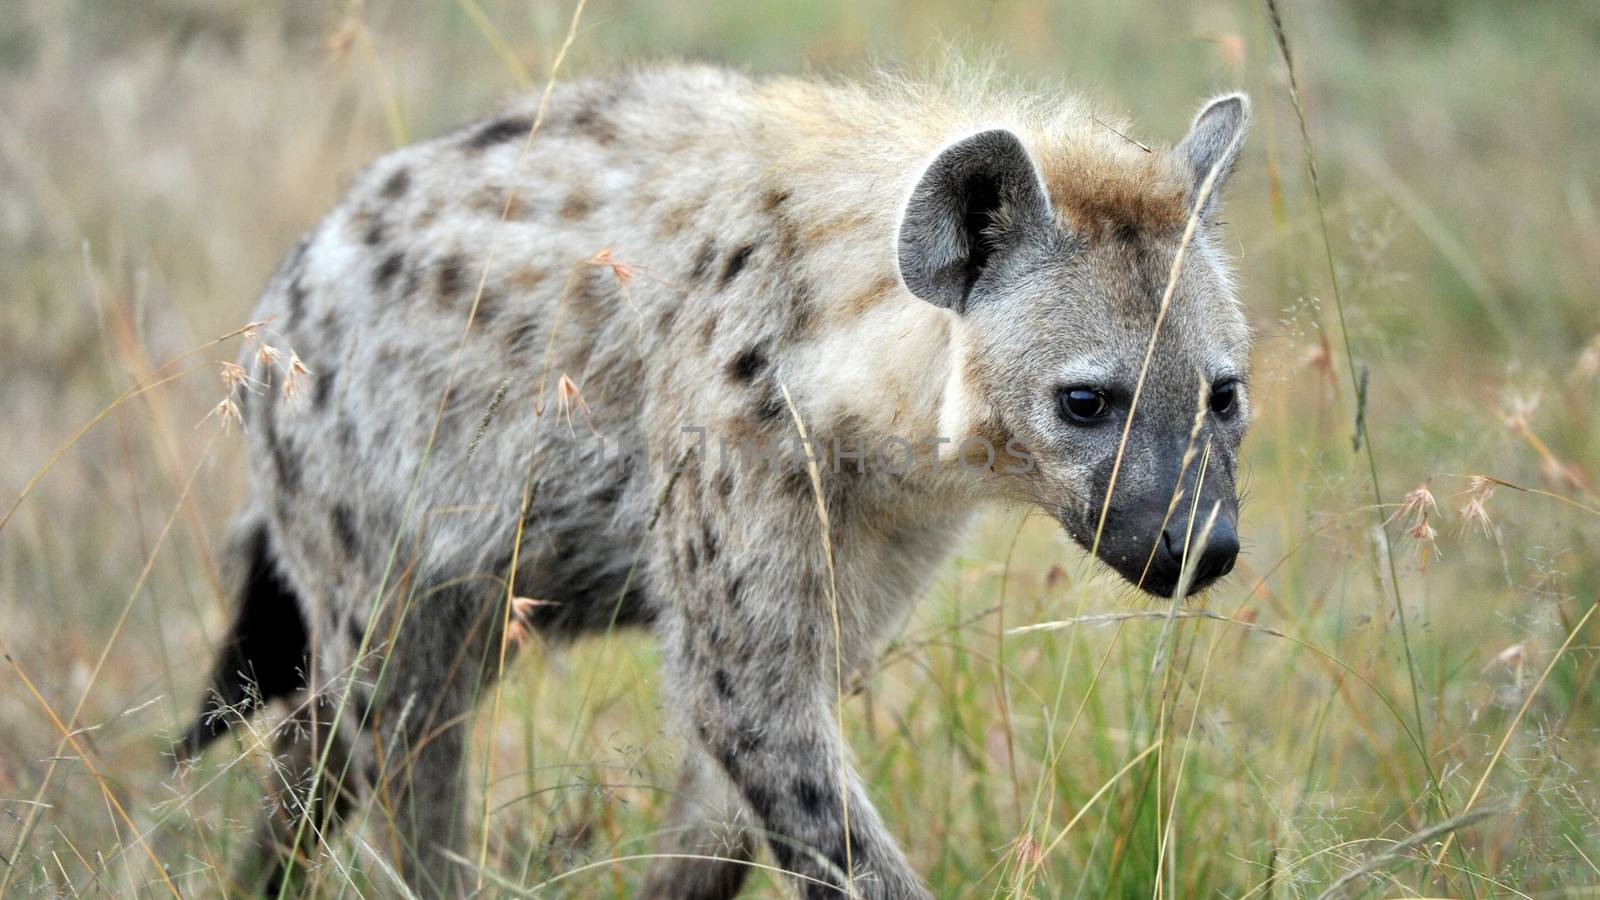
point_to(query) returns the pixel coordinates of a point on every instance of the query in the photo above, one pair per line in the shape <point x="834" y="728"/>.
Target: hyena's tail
<point x="266" y="653"/>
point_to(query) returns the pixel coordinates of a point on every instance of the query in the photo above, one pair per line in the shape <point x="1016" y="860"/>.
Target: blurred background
<point x="1382" y="669"/>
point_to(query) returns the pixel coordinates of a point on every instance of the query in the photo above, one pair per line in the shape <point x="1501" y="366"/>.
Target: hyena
<point x="878" y="264"/>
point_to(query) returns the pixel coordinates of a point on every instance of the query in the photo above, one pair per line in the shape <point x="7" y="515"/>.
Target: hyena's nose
<point x="1215" y="558"/>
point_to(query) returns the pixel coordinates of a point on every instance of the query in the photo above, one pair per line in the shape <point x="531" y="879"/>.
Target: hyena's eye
<point x="1082" y="404"/>
<point x="1225" y="398"/>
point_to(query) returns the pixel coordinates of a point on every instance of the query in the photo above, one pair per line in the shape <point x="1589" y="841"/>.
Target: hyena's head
<point x="1057" y="271"/>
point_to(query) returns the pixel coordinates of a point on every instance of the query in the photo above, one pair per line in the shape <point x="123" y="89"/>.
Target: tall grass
<point x="1388" y="699"/>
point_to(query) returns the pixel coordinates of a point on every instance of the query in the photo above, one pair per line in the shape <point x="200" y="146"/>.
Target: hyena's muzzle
<point x="1162" y="529"/>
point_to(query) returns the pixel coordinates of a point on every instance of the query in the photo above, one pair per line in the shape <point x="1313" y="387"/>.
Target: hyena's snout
<point x="1210" y="551"/>
<point x="1157" y="556"/>
<point x="1169" y="535"/>
<point x="1192" y="531"/>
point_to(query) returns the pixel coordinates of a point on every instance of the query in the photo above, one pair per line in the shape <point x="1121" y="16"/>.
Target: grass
<point x="1388" y="699"/>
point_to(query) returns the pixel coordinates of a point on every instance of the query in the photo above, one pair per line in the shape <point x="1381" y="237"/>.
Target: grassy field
<point x="1394" y="697"/>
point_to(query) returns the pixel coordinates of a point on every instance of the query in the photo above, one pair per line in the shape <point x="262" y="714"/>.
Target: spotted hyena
<point x="532" y="343"/>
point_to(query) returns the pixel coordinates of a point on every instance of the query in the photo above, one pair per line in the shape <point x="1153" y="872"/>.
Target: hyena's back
<point x="486" y="224"/>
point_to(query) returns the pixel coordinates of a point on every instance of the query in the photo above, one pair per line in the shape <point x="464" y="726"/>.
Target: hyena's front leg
<point x="749" y="661"/>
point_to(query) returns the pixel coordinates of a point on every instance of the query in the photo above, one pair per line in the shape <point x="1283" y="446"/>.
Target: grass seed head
<point x="620" y="270"/>
<point x="226" y="412"/>
<point x="296" y="376"/>
<point x="568" y="398"/>
<point x="521" y="628"/>
<point x="267" y="355"/>
<point x="235" y="378"/>
<point x="1475" y="511"/>
<point x="1417" y="506"/>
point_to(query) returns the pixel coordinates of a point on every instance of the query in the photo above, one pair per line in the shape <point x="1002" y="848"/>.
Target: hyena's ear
<point x="977" y="201"/>
<point x="1213" y="142"/>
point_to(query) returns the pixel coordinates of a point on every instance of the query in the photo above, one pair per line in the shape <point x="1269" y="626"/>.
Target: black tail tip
<point x="264" y="656"/>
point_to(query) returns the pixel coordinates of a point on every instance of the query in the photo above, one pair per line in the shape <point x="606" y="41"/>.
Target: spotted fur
<point x="912" y="261"/>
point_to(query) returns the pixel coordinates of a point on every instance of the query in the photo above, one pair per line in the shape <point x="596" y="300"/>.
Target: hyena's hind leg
<point x="304" y="809"/>
<point x="266" y="656"/>
<point x="706" y="850"/>
<point x="445" y="650"/>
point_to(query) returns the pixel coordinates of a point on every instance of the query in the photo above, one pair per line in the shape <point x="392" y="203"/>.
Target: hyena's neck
<point x="892" y="369"/>
<point x="880" y="359"/>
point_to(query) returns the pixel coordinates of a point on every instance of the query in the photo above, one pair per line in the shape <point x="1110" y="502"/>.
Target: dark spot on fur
<point x="499" y="131"/>
<point x="788" y="238"/>
<point x="787" y="855"/>
<point x="723" y="685"/>
<point x="724" y="484"/>
<point x="385" y="274"/>
<point x="297" y="256"/>
<point x="395" y="186"/>
<point x="664" y="319"/>
<point x="344" y="529"/>
<point x="523" y="335"/>
<point x="810" y="795"/>
<point x="412" y="283"/>
<point x="769" y="408"/>
<point x="703" y="260"/>
<point x="579" y="204"/>
<point x="322" y="387"/>
<point x="860" y="304"/>
<point x="517" y="209"/>
<point x="594" y="302"/>
<point x="374" y="233"/>
<point x="774" y="199"/>
<point x="677" y="220"/>
<point x="330" y="329"/>
<point x="708" y="542"/>
<point x="802" y="310"/>
<point x="588" y="120"/>
<point x="294" y="268"/>
<point x="796" y="483"/>
<point x="708" y="329"/>
<point x="489" y="307"/>
<point x="527" y="278"/>
<point x="428" y="215"/>
<point x="501" y="202"/>
<point x="857" y="855"/>
<point x="735" y="264"/>
<point x="609" y="494"/>
<point x="450" y="275"/>
<point x="355" y="629"/>
<point x="728" y="755"/>
<point x="284" y="461"/>
<point x="748" y="363"/>
<point x="690" y="556"/>
<point x="760" y="800"/>
<point x="297" y="299"/>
